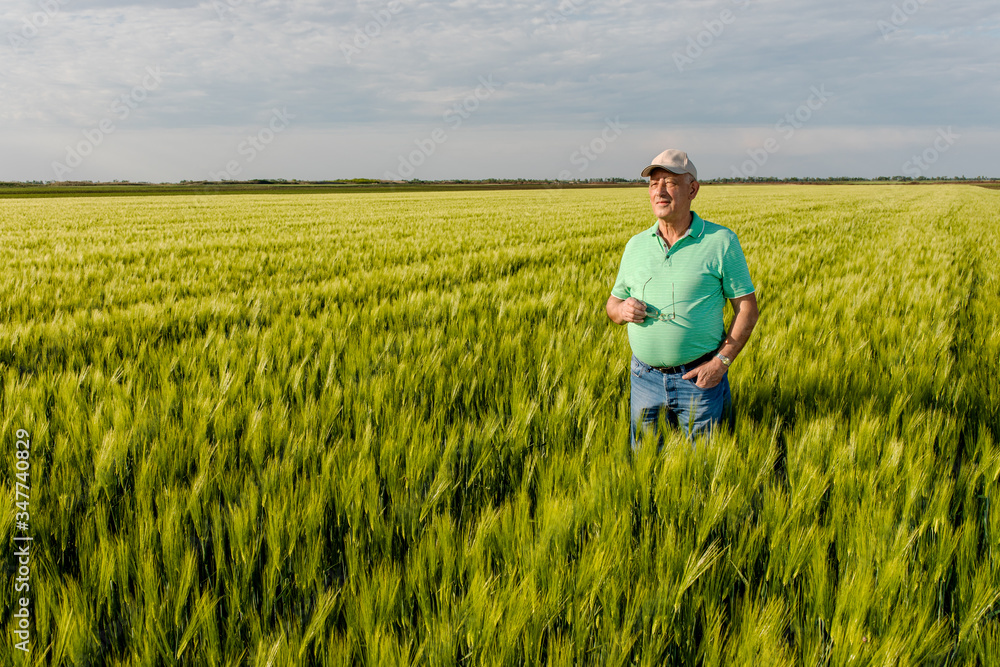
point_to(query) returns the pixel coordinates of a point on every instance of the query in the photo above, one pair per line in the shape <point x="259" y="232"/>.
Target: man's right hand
<point x="628" y="310"/>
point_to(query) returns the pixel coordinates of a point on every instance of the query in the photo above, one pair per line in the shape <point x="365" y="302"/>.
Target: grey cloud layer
<point x="575" y="60"/>
<point x="393" y="68"/>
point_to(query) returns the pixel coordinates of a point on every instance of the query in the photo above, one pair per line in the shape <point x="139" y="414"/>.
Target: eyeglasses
<point x="659" y="314"/>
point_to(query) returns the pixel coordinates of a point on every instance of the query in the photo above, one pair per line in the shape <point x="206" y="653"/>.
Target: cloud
<point x="378" y="65"/>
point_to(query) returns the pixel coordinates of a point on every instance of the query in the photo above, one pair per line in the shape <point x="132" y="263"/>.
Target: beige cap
<point x="674" y="161"/>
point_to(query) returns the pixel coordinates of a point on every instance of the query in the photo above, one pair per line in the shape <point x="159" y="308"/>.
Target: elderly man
<point x="671" y="289"/>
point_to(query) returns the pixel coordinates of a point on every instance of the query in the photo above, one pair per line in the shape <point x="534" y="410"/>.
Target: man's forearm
<point x="611" y="308"/>
<point x="744" y="320"/>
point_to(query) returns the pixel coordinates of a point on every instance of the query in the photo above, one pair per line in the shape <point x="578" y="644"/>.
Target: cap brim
<point x="649" y="170"/>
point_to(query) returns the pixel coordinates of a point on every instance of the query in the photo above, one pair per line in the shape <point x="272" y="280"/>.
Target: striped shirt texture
<point x="685" y="288"/>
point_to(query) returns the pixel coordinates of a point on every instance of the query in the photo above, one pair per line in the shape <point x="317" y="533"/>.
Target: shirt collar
<point x="696" y="230"/>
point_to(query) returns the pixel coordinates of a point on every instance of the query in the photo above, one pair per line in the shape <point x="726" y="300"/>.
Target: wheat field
<point x="393" y="429"/>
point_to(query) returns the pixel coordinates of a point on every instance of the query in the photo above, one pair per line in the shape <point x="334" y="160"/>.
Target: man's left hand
<point x="708" y="374"/>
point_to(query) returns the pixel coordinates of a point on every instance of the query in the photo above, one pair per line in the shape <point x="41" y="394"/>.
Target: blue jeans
<point x="683" y="403"/>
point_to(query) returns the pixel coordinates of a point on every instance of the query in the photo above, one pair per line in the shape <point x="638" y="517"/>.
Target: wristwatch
<point x="725" y="360"/>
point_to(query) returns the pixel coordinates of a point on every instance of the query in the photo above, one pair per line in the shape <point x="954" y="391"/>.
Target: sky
<point x="572" y="89"/>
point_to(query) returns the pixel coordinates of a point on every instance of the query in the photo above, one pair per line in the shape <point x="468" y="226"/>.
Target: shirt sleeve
<point x="735" y="272"/>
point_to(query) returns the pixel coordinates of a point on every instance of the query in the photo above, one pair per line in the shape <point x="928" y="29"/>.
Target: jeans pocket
<point x="707" y="390"/>
<point x="638" y="368"/>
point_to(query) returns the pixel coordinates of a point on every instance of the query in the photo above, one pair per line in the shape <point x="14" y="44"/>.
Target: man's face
<point x="671" y="194"/>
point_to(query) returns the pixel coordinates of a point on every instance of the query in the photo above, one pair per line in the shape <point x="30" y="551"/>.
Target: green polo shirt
<point x="685" y="288"/>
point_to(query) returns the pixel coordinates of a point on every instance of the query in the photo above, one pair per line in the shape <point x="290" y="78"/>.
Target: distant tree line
<point x="846" y="179"/>
<point x="537" y="182"/>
